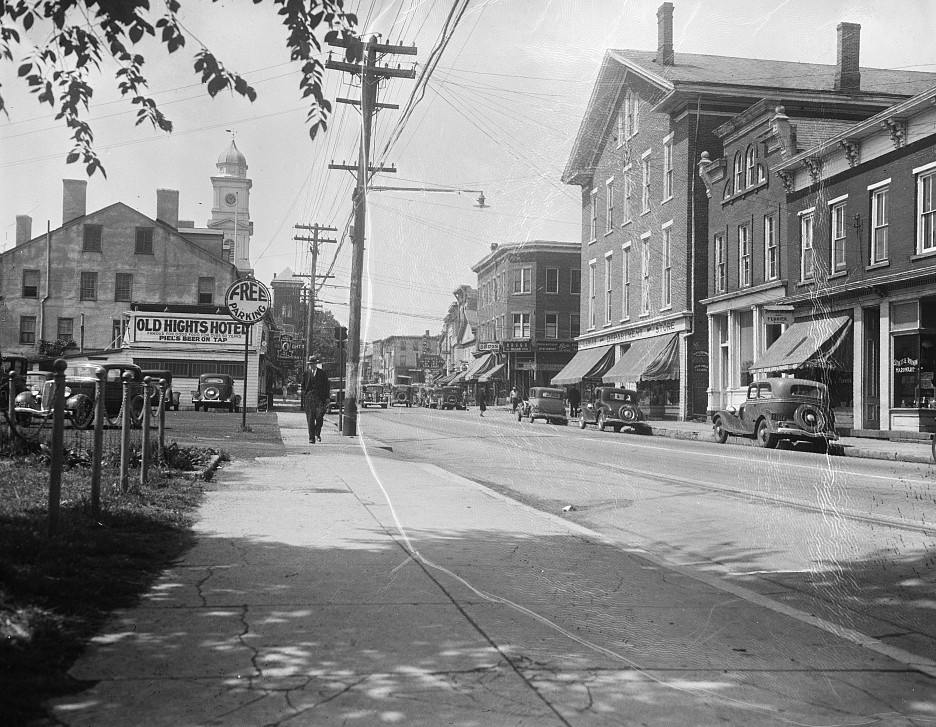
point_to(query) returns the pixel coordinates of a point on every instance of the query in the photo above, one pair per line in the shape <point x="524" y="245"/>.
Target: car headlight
<point x="35" y="391"/>
<point x="67" y="392"/>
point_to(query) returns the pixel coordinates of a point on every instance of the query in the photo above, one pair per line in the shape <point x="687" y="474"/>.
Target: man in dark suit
<point x="315" y="393"/>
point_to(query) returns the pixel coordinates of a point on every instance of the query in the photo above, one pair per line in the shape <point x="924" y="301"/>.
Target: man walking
<point x="315" y="393"/>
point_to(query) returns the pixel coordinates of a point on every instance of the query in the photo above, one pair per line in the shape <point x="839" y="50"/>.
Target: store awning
<point x="805" y="343"/>
<point x="494" y="374"/>
<point x="479" y="366"/>
<point x="443" y="379"/>
<point x="588" y="363"/>
<point x="458" y="378"/>
<point x="665" y="367"/>
<point x="636" y="361"/>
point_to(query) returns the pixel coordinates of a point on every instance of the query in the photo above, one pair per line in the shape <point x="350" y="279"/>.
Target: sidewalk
<point x="338" y="585"/>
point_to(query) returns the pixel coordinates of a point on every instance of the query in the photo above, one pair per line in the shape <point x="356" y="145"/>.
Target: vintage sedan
<point x="336" y="394"/>
<point x="15" y="369"/>
<point x="780" y="409"/>
<point x="172" y="397"/>
<point x="612" y="407"/>
<point x="375" y="395"/>
<point x="402" y="395"/>
<point x="544" y="403"/>
<point x="216" y="391"/>
<point x="448" y="397"/>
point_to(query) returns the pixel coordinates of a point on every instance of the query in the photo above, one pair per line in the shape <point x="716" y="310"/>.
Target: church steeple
<point x="230" y="210"/>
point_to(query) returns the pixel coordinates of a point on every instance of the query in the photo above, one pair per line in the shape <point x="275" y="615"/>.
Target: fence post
<point x="145" y="441"/>
<point x="58" y="443"/>
<point x="161" y="420"/>
<point x="125" y="423"/>
<point x="97" y="455"/>
<point x="11" y="399"/>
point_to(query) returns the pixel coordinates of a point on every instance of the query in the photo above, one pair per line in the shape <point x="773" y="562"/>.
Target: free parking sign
<point x="247" y="300"/>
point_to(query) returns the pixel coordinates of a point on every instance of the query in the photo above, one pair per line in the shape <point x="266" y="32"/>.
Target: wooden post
<point x="161" y="419"/>
<point x="97" y="454"/>
<point x="144" y="454"/>
<point x="58" y="443"/>
<point x="125" y="423"/>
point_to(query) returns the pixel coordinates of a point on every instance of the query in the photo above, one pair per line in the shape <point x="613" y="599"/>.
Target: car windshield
<point x="80" y="371"/>
<point x="805" y="391"/>
<point x="545" y="394"/>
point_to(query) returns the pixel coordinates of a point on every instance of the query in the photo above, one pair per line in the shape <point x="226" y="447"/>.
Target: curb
<point x="213" y="465"/>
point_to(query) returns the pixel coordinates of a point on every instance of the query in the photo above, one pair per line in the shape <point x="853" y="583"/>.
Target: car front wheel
<point x="582" y="422"/>
<point x="766" y="438"/>
<point x="601" y="422"/>
<point x="721" y="434"/>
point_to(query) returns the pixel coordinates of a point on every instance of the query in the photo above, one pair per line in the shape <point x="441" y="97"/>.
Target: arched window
<point x="750" y="171"/>
<point x="738" y="173"/>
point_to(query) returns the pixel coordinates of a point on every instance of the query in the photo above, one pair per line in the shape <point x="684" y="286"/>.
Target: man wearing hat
<point x="315" y="393"/>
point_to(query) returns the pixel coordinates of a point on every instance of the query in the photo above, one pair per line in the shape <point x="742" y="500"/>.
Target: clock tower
<point x="230" y="209"/>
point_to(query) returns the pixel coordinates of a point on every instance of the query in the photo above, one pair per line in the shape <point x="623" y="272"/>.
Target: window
<point x="66" y="329"/>
<point x="521" y="325"/>
<point x="91" y="241"/>
<point x="807" y="261"/>
<point x="625" y="277"/>
<point x="593" y="228"/>
<point x="838" y="237"/>
<point x="667" y="290"/>
<point x="88" y="286"/>
<point x="771" y="251"/>
<point x="926" y="204"/>
<point x="552" y="325"/>
<point x="30" y="283"/>
<point x="667" y="170"/>
<point x="645" y="197"/>
<point x="552" y="280"/>
<point x="645" y="275"/>
<point x="591" y="295"/>
<point x="738" y="173"/>
<point x="607" y="288"/>
<point x="123" y="287"/>
<point x="27" y="333"/>
<point x="206" y="290"/>
<point x="144" y="241"/>
<point x="721" y="265"/>
<point x="628" y="193"/>
<point x="879" y="225"/>
<point x="575" y="284"/>
<point x="574" y="325"/>
<point x="750" y="172"/>
<point x="523" y="280"/>
<point x="744" y="256"/>
<point x="609" y="205"/>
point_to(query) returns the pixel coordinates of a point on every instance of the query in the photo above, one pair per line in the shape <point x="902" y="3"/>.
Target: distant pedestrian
<point x="514" y="399"/>
<point x="482" y="404"/>
<point x="575" y="398"/>
<point x="315" y="393"/>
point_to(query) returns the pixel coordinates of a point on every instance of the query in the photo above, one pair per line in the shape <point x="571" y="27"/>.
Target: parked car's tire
<point x="231" y="408"/>
<point x="519" y="415"/>
<point x="136" y="411"/>
<point x="721" y="434"/>
<point x="82" y="412"/>
<point x="628" y="413"/>
<point x="765" y="438"/>
<point x="810" y="418"/>
<point x="601" y="421"/>
<point x="582" y="422"/>
<point x="617" y="428"/>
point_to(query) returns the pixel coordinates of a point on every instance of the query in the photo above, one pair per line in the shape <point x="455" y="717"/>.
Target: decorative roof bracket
<point x="814" y="167"/>
<point x="898" y="130"/>
<point x="788" y="179"/>
<point x="852" y="148"/>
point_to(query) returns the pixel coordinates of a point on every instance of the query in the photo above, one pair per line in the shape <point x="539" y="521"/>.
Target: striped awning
<point x="479" y="366"/>
<point x="644" y="353"/>
<point x="804" y="343"/>
<point x="494" y="374"/>
<point x="588" y="363"/>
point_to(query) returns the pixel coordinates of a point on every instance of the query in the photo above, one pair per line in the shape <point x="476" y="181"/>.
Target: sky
<point x="500" y="114"/>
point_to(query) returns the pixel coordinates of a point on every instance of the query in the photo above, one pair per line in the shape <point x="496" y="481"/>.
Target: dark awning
<point x="479" y="366"/>
<point x="588" y="363"/>
<point x="804" y="343"/>
<point x="665" y="367"/>
<point x="636" y="361"/>
<point x="493" y="374"/>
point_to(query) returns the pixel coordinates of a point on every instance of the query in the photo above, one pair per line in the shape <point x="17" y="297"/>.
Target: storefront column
<point x="714" y="350"/>
<point x="858" y="364"/>
<point x="887" y="365"/>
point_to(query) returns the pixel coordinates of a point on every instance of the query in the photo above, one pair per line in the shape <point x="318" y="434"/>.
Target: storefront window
<point x="914" y="364"/>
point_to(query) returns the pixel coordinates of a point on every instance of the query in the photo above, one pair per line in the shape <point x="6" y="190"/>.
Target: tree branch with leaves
<point x="80" y="35"/>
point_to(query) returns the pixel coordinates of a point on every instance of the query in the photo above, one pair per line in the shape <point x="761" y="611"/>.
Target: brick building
<point x="645" y="217"/>
<point x="528" y="311"/>
<point x="405" y="359"/>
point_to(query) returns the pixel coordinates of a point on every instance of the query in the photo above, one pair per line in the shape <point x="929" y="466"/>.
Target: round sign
<point x="247" y="300"/>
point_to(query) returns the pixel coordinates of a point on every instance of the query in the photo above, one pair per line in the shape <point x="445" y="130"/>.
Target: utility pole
<point x="367" y="49"/>
<point x="314" y="240"/>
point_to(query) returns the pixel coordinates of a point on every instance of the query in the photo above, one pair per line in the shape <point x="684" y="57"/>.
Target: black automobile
<point x="375" y="395"/>
<point x="612" y="407"/>
<point x="449" y="397"/>
<point x="777" y="409"/>
<point x="172" y="397"/>
<point x="216" y="391"/>
<point x="402" y="395"/>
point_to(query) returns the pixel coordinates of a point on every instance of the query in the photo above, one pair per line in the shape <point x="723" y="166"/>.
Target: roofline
<point x="508" y="248"/>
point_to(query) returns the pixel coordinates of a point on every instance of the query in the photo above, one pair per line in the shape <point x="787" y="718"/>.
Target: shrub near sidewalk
<point x="56" y="592"/>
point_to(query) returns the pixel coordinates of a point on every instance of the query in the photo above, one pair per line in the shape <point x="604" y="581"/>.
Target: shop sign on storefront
<point x="906" y="365"/>
<point x="556" y="346"/>
<point x="493" y="346"/>
<point x="533" y="366"/>
<point x="211" y="330"/>
<point x="778" y="316"/>
<point x="518" y="346"/>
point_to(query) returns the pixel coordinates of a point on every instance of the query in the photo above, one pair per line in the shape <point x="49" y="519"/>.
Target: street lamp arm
<point x="480" y="192"/>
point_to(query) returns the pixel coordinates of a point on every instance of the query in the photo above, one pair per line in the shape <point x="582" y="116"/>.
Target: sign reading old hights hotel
<point x="179" y="329"/>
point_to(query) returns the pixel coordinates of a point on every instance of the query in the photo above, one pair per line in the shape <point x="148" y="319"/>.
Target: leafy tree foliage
<point x="78" y="35"/>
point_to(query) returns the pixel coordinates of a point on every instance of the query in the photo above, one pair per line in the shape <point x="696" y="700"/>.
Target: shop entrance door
<point x="871" y="376"/>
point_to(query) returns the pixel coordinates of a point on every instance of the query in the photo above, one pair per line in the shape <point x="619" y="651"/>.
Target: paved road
<point x="847" y="543"/>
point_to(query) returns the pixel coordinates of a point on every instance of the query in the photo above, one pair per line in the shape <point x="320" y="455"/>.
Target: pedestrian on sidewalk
<point x="315" y="392"/>
<point x="482" y="404"/>
<point x="575" y="398"/>
<point x="514" y="399"/>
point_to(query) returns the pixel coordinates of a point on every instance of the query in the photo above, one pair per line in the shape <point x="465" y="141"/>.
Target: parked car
<point x="544" y="403"/>
<point x="216" y="391"/>
<point x="449" y="397"/>
<point x="402" y="395"/>
<point x="15" y="367"/>
<point x="172" y="397"/>
<point x="612" y="407"/>
<point x="336" y="395"/>
<point x="375" y="395"/>
<point x="777" y="409"/>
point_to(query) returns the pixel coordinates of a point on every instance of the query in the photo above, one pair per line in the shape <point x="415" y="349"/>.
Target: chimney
<point x="74" y="199"/>
<point x="847" y="72"/>
<point x="665" y="56"/>
<point x="167" y="207"/>
<point x="23" y="229"/>
<point x="493" y="246"/>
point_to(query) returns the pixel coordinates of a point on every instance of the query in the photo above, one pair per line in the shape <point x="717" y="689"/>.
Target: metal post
<point x="145" y="454"/>
<point x="97" y="454"/>
<point x="161" y="419"/>
<point x="247" y="330"/>
<point x="58" y="443"/>
<point x="125" y="423"/>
